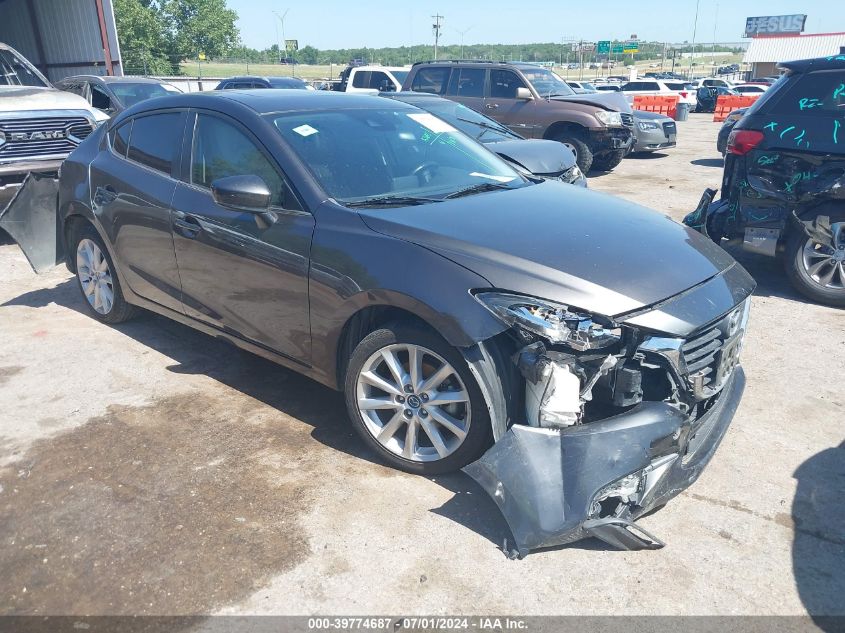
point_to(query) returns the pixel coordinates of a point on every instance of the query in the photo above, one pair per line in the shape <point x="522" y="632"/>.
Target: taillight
<point x="741" y="142"/>
<point x="684" y="94"/>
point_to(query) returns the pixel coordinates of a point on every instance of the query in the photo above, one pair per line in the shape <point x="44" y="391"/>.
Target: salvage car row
<point x="462" y="299"/>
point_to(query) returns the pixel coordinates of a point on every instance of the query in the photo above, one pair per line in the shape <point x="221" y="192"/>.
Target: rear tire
<point x="815" y="270"/>
<point x="428" y="420"/>
<point x="608" y="161"/>
<point x="97" y="279"/>
<point x="582" y="151"/>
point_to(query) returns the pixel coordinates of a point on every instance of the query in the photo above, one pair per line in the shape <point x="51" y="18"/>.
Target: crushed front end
<point x="607" y="419"/>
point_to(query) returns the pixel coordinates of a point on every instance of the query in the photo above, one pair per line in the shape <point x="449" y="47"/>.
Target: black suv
<point x="783" y="189"/>
<point x="535" y="103"/>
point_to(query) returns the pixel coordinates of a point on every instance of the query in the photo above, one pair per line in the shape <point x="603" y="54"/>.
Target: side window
<point x="467" y="82"/>
<point x="119" y="137"/>
<point x="221" y="149"/>
<point x="99" y="99"/>
<point x="156" y="139"/>
<point x="651" y="85"/>
<point x="818" y="93"/>
<point x="380" y="81"/>
<point x="432" y="80"/>
<point x="503" y="84"/>
<point x="361" y="79"/>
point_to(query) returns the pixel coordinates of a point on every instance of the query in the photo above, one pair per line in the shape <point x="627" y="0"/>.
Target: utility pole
<point x="436" y="28"/>
<point x="694" y="30"/>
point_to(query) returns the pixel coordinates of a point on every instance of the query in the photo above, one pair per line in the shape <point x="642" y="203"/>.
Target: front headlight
<point x="647" y="125"/>
<point x="610" y="119"/>
<point x="554" y="322"/>
<point x="572" y="175"/>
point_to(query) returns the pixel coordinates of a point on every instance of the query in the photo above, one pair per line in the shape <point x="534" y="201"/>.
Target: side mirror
<point x="247" y="193"/>
<point x="524" y="93"/>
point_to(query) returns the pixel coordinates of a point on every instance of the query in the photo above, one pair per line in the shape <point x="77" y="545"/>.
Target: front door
<point x="501" y="103"/>
<point x="239" y="272"/>
<point x="132" y="186"/>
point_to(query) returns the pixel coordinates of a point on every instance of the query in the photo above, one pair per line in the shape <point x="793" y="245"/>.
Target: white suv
<point x="655" y="87"/>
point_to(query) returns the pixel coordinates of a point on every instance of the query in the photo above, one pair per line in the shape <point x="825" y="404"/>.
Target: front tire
<point x="818" y="270"/>
<point x="582" y="151"/>
<point x="608" y="161"/>
<point x="95" y="274"/>
<point x="414" y="402"/>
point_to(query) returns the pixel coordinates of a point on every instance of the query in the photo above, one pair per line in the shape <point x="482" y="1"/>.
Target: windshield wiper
<point x="478" y="188"/>
<point x="391" y="201"/>
<point x="486" y="126"/>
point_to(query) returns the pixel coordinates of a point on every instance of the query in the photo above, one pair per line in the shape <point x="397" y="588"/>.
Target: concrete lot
<point x="150" y="469"/>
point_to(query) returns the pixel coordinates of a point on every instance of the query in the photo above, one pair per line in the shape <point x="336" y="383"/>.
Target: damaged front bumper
<point x="31" y="219"/>
<point x="555" y="486"/>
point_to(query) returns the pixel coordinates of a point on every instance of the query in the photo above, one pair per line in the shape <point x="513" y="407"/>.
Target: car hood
<point x="651" y="116"/>
<point x="537" y="156"/>
<point x="21" y="98"/>
<point x="606" y="99"/>
<point x="585" y="249"/>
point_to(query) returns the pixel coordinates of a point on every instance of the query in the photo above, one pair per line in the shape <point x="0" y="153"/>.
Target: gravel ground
<point x="150" y="469"/>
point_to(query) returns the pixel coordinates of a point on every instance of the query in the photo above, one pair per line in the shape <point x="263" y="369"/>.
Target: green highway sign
<point x="631" y="47"/>
<point x="603" y="47"/>
<point x="617" y="48"/>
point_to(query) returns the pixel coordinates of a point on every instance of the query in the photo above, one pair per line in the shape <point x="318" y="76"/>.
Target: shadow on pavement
<point x="818" y="551"/>
<point x="645" y="155"/>
<point x="708" y="162"/>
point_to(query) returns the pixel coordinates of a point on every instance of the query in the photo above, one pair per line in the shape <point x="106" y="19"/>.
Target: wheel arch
<point x="386" y="307"/>
<point x="561" y="127"/>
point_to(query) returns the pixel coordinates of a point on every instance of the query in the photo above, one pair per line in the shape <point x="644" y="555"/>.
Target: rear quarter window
<point x="432" y="80"/>
<point x="820" y="93"/>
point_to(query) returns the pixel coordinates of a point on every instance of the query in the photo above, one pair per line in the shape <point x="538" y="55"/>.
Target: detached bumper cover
<point x="31" y="220"/>
<point x="546" y="481"/>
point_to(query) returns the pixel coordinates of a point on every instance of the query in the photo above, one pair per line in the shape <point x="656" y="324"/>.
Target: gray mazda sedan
<point x="577" y="354"/>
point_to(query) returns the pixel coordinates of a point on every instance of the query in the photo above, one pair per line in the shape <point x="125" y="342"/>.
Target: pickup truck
<point x="371" y="79"/>
<point x="39" y="125"/>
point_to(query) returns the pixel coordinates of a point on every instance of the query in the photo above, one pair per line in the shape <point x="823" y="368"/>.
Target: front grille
<point x="627" y="119"/>
<point x="669" y="128"/>
<point x="32" y="138"/>
<point x="711" y="355"/>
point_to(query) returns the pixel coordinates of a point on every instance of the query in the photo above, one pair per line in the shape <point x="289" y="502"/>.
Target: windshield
<point x="545" y="82"/>
<point x="129" y="93"/>
<point x="469" y="121"/>
<point x="363" y="154"/>
<point x="400" y="75"/>
<point x="287" y="82"/>
<point x="16" y="71"/>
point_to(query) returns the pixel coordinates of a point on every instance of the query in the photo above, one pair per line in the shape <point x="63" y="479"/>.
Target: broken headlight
<point x="554" y="322"/>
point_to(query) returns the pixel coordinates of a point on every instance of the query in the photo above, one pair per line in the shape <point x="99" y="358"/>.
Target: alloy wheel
<point x="825" y="263"/>
<point x="92" y="268"/>
<point x="413" y="402"/>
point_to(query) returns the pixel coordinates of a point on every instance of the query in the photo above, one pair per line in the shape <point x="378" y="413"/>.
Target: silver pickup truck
<point x="39" y="125"/>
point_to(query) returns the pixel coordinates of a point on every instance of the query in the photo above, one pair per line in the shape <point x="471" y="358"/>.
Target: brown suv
<point x="536" y="103"/>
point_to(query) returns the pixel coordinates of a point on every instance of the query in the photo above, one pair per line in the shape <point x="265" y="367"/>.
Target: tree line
<point x="156" y="36"/>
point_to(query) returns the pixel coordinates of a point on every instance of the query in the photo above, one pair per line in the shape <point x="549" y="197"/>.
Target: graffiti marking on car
<point x="807" y="104"/>
<point x="768" y="159"/>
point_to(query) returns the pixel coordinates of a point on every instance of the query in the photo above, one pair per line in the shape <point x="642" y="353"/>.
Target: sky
<point x="328" y="24"/>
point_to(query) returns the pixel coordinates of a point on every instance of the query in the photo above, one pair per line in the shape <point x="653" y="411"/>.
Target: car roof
<point x="111" y="79"/>
<point x="831" y="62"/>
<point x="408" y="96"/>
<point x="262" y="101"/>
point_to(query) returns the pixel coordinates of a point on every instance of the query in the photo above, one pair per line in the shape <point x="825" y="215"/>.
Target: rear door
<point x="132" y="186"/>
<point x="240" y="273"/>
<point x="501" y="103"/>
<point x="466" y="86"/>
